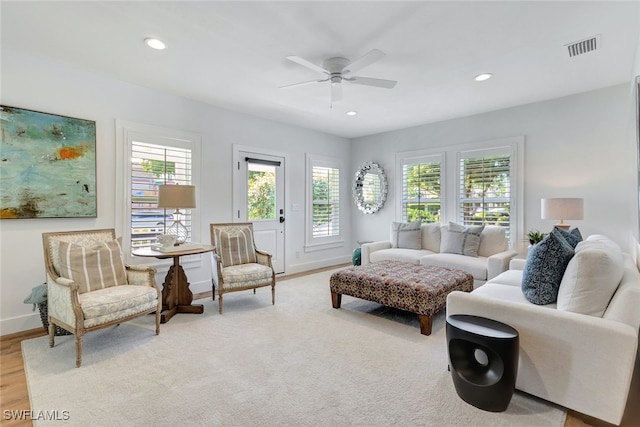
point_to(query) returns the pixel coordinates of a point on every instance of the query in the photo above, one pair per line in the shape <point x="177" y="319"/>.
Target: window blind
<point x="153" y="165"/>
<point x="421" y="197"/>
<point x="326" y="202"/>
<point x="485" y="190"/>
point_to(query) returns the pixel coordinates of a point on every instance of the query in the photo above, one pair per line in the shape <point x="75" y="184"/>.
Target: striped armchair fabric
<point x="89" y="287"/>
<point x="237" y="264"/>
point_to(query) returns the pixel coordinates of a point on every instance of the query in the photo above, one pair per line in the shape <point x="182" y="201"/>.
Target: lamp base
<point x="178" y="230"/>
<point x="562" y="226"/>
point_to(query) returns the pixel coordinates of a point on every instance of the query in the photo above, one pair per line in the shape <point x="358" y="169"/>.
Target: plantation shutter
<point x="153" y="165"/>
<point x="421" y="191"/>
<point x="326" y="202"/>
<point x="485" y="189"/>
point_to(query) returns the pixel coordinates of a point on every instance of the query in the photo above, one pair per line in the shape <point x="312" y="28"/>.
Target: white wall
<point x="576" y="146"/>
<point x="41" y="85"/>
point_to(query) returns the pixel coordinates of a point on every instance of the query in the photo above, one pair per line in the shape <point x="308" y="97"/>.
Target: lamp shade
<point x="177" y="196"/>
<point x="562" y="208"/>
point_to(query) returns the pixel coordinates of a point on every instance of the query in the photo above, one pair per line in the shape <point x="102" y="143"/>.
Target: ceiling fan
<point x="339" y="69"/>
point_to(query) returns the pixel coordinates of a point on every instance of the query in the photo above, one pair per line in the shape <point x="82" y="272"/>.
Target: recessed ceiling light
<point x="482" y="77"/>
<point x="154" y="43"/>
<point x="351" y="113"/>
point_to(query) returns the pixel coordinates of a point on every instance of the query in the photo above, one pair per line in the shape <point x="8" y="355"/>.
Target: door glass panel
<point x="261" y="192"/>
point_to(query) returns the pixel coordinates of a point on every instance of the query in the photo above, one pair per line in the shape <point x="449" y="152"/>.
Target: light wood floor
<point x="14" y="395"/>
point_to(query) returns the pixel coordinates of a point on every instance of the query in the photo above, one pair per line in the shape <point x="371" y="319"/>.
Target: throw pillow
<point x="406" y="235"/>
<point x="573" y="237"/>
<point x="93" y="268"/>
<point x="546" y="263"/>
<point x="591" y="278"/>
<point x="458" y="239"/>
<point x="235" y="246"/>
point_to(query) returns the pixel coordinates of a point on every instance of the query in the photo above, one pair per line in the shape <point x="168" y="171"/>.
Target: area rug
<point x="297" y="363"/>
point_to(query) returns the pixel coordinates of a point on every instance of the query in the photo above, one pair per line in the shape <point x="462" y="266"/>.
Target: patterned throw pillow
<point x="573" y="237"/>
<point x="235" y="246"/>
<point x="546" y="263"/>
<point x="406" y="235"/>
<point x="93" y="268"/>
<point x="458" y="239"/>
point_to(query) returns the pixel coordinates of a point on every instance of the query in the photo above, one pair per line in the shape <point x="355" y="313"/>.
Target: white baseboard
<point x="306" y="266"/>
<point x="20" y="323"/>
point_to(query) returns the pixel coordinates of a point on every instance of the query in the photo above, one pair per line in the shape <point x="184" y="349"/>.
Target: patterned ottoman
<point x="418" y="289"/>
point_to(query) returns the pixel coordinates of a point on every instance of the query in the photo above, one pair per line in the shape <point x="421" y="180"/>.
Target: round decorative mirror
<point x="370" y="187"/>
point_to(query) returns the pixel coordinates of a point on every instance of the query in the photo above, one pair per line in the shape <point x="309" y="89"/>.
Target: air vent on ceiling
<point x="583" y="46"/>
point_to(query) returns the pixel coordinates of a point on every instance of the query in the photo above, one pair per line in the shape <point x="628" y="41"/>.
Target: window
<point x="485" y="189"/>
<point x="324" y="202"/>
<point x="421" y="189"/>
<point x="153" y="165"/>
<point x="484" y="195"/>
<point x="470" y="184"/>
<point x="148" y="157"/>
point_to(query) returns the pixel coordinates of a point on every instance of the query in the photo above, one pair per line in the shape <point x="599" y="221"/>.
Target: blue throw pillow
<point x="572" y="237"/>
<point x="546" y="263"/>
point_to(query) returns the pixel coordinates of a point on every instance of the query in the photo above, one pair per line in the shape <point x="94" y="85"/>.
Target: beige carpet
<point x="298" y="363"/>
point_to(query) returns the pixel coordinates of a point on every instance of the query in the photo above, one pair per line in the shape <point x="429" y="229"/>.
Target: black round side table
<point x="483" y="358"/>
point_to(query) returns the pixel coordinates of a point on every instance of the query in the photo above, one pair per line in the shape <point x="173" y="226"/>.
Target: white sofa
<point x="493" y="253"/>
<point x="580" y="351"/>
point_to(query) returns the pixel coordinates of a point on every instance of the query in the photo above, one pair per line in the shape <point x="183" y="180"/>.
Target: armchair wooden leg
<point x="220" y="303"/>
<point x="78" y="350"/>
<point x="158" y="317"/>
<point x="52" y="332"/>
<point x="273" y="294"/>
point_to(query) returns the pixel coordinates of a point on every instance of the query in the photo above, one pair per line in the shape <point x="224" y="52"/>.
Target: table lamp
<point x="562" y="208"/>
<point x="177" y="197"/>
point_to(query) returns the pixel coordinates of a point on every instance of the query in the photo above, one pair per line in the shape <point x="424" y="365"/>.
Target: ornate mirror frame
<point x="362" y="187"/>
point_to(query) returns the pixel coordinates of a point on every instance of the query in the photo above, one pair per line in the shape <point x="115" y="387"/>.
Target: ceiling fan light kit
<point x="338" y="69"/>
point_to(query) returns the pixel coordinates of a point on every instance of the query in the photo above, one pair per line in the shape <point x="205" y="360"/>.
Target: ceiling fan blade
<point x="370" y="81"/>
<point x="305" y="63"/>
<point x="336" y="92"/>
<point x="360" y="63"/>
<point x="303" y="83"/>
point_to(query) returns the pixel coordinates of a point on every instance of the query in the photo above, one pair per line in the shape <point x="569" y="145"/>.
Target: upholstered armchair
<point x="89" y="287"/>
<point x="237" y="264"/>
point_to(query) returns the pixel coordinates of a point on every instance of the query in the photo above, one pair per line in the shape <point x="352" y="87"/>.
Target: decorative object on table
<point x="535" y="236"/>
<point x="562" y="208"/>
<point x="167" y="240"/>
<point x="177" y="197"/>
<point x="370" y="187"/>
<point x="90" y="288"/>
<point x="237" y="264"/>
<point x="483" y="358"/>
<point x="38" y="297"/>
<point x="49" y="165"/>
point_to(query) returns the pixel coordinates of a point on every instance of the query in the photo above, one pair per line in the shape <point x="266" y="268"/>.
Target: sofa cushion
<point x="398" y="254"/>
<point x="591" y="278"/>
<point x="476" y="266"/>
<point x="92" y="268"/>
<point x="431" y="236"/>
<point x="406" y="235"/>
<point x="546" y="263"/>
<point x="504" y="292"/>
<point x="510" y="278"/>
<point x="492" y="241"/>
<point x="458" y="239"/>
<point x="573" y="237"/>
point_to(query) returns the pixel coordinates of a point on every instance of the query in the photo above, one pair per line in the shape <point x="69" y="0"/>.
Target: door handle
<point x="281" y="219"/>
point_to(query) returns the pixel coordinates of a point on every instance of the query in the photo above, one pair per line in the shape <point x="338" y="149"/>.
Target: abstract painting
<point x="47" y="165"/>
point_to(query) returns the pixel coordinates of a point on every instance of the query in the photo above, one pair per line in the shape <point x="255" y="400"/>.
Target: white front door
<point x="259" y="198"/>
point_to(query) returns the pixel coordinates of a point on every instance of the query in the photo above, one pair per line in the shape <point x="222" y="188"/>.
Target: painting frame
<point x="48" y="165"/>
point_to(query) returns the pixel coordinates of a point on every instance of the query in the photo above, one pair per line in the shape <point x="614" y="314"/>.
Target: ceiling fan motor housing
<point x="335" y="65"/>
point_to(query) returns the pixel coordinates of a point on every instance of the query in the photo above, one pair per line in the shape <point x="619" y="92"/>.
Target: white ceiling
<point x="232" y="54"/>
